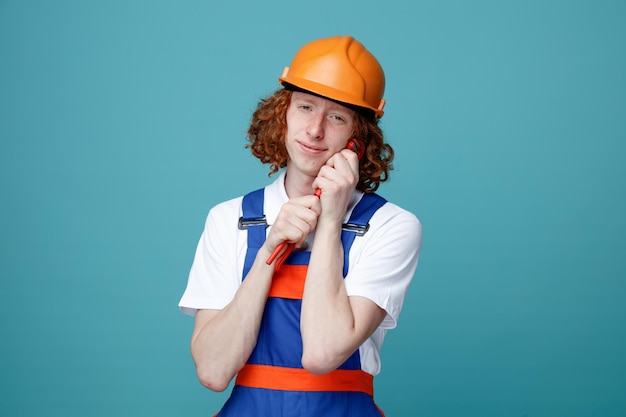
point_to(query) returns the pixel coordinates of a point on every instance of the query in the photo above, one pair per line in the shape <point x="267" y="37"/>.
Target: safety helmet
<point x="341" y="69"/>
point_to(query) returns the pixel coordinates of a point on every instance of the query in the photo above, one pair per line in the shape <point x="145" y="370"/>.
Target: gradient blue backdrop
<point x="123" y="122"/>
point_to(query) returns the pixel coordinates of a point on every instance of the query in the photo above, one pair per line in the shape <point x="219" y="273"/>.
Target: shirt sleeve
<point x="382" y="265"/>
<point x="213" y="279"/>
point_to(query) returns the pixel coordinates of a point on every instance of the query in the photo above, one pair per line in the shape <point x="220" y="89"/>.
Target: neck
<point x="298" y="184"/>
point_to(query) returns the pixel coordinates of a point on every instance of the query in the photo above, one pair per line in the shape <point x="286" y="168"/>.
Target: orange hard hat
<point x="341" y="69"/>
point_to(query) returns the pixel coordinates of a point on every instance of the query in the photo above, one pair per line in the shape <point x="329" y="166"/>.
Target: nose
<point x="315" y="126"/>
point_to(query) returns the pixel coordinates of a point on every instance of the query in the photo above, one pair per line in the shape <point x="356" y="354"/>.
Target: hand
<point x="295" y="221"/>
<point x="337" y="179"/>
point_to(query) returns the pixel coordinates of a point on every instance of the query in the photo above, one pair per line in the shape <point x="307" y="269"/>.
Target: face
<point x="316" y="129"/>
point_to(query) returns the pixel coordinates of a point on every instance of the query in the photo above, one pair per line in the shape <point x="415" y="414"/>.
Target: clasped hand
<point x="298" y="217"/>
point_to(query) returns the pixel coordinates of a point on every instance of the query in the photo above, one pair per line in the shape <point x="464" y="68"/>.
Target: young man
<point x="302" y="333"/>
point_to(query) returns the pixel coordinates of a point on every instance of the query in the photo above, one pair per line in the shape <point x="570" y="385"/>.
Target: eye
<point x="339" y="118"/>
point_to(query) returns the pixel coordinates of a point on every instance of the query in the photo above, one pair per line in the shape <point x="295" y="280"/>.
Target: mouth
<point x="311" y="149"/>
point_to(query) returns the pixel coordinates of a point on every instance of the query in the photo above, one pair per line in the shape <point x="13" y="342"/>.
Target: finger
<point x="295" y="223"/>
<point x="342" y="174"/>
<point x="344" y="161"/>
<point x="352" y="159"/>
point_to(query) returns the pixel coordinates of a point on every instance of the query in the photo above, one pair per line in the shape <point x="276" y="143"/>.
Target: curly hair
<point x="268" y="130"/>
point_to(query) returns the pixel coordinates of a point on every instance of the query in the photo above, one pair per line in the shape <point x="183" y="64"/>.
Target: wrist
<point x="327" y="226"/>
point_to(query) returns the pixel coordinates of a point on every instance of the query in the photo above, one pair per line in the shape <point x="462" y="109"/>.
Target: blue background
<point x="123" y="122"/>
